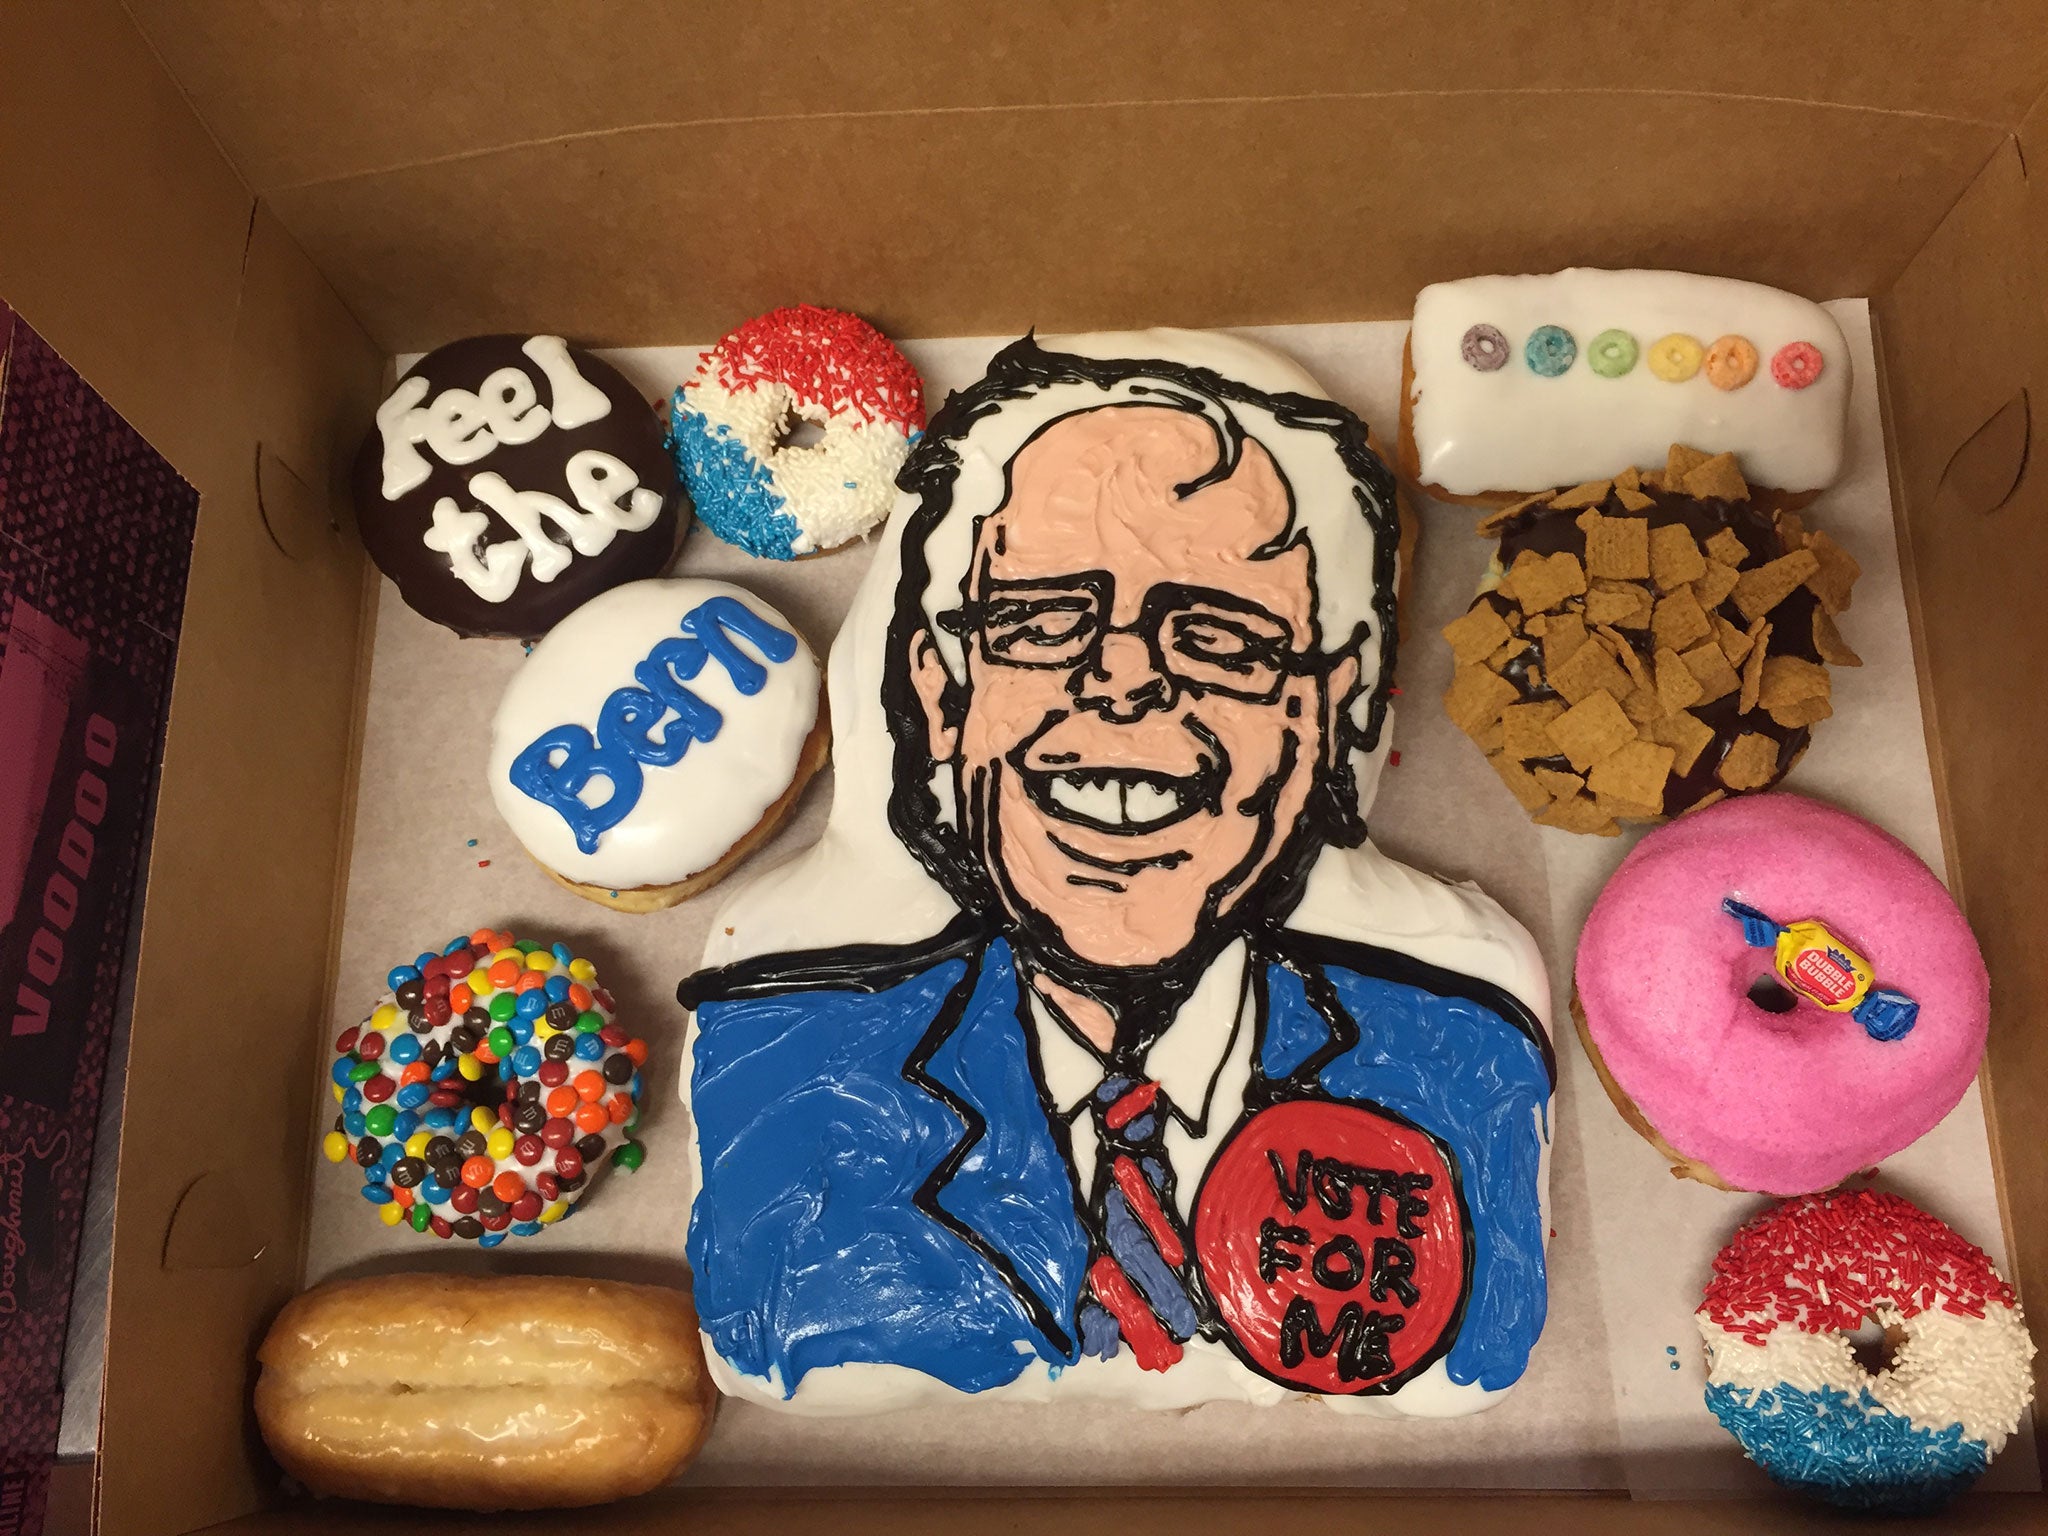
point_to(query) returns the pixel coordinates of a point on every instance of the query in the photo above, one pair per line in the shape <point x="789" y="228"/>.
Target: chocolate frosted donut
<point x="1648" y="644"/>
<point x="510" y="479"/>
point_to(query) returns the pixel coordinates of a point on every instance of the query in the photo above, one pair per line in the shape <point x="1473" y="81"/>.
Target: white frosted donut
<point x="651" y="731"/>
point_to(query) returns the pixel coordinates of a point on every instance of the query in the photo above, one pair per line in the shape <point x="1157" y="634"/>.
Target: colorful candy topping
<point x="1782" y="1321"/>
<point x="1550" y="350"/>
<point x="1819" y="967"/>
<point x="1731" y="363"/>
<point x="1796" y="364"/>
<point x="729" y="430"/>
<point x="484" y="1087"/>
<point x="1485" y="348"/>
<point x="1612" y="354"/>
<point x="1675" y="358"/>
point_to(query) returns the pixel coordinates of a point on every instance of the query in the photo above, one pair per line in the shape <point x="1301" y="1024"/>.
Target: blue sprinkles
<point x="731" y="491"/>
<point x="1857" y="1455"/>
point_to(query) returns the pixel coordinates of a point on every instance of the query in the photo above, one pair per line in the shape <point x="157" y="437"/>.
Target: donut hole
<point x="1876" y="1344"/>
<point x="799" y="432"/>
<point x="1772" y="995"/>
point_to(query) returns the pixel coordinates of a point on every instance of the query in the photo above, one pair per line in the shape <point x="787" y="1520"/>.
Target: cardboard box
<point x="228" y="216"/>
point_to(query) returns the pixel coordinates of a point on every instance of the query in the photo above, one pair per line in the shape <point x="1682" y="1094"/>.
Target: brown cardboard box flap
<point x="305" y="94"/>
<point x="674" y="175"/>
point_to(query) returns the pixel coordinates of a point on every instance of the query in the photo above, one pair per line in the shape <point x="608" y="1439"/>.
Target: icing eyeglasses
<point x="1207" y="640"/>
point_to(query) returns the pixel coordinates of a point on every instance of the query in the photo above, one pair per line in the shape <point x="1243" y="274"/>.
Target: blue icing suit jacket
<point x="882" y="1181"/>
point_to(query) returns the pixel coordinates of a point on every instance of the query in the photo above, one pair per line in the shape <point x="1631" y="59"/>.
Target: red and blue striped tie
<point x="1139" y="1276"/>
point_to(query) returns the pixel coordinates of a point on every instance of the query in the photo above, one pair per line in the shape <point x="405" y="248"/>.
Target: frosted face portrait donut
<point x="1125" y="1069"/>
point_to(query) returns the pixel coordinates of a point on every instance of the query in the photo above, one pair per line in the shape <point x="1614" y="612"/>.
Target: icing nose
<point x="1124" y="681"/>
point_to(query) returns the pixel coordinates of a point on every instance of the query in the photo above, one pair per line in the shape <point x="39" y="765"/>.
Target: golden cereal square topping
<point x="1677" y="688"/>
<point x="1614" y="602"/>
<point x="1478" y="634"/>
<point x="1636" y="773"/>
<point x="1717" y="476"/>
<point x="1753" y="666"/>
<point x="1591" y="730"/>
<point x="1836" y="572"/>
<point x="1522" y="724"/>
<point x="1590" y="494"/>
<point x="1520" y="782"/>
<point x="1751" y="763"/>
<point x="1591" y="669"/>
<point x="1726" y="547"/>
<point x="1827" y="639"/>
<point x="1709" y="665"/>
<point x="1476" y="698"/>
<point x="1675" y="558"/>
<point x="1679" y="621"/>
<point x="1680" y="461"/>
<point x="1791" y="680"/>
<point x="1763" y="587"/>
<point x="1541" y="583"/>
<point x="1687" y="735"/>
<point x="1578" y="814"/>
<point x="1617" y="548"/>
<point x="1714" y="585"/>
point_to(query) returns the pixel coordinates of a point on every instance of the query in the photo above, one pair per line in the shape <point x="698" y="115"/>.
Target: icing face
<point x="1168" y="1105"/>
<point x="1143" y="719"/>
<point x="510" y="479"/>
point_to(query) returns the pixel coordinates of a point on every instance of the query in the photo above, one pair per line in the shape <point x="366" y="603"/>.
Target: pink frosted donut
<point x="1743" y="1080"/>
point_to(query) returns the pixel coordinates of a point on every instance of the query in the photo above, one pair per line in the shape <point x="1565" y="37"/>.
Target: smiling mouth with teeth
<point x="1120" y="800"/>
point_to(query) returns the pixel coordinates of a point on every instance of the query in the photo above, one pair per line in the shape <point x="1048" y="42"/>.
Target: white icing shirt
<point x="1201" y="1062"/>
<point x="651" y="730"/>
<point x="1530" y="383"/>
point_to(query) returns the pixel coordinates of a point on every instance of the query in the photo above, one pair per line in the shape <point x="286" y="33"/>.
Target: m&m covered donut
<point x="1863" y="1352"/>
<point x="486" y="1089"/>
<point x="732" y="431"/>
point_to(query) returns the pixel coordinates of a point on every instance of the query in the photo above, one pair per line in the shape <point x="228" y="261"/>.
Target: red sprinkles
<point x="1821" y="1262"/>
<point x="828" y="358"/>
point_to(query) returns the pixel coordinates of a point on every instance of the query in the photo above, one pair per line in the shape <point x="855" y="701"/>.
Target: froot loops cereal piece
<point x="1473" y="428"/>
<point x="731" y="423"/>
<point x="1797" y="364"/>
<point x="1484" y="347"/>
<point x="1612" y="354"/>
<point x="450" y="1112"/>
<point x="1550" y="350"/>
<point x="1730" y="363"/>
<point x="1863" y="1352"/>
<point x="1675" y="358"/>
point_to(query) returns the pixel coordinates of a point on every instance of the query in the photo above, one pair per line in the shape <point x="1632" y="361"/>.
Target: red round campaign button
<point x="1332" y="1240"/>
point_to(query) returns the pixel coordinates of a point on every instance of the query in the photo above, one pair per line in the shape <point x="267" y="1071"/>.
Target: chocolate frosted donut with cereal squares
<point x="1648" y="644"/>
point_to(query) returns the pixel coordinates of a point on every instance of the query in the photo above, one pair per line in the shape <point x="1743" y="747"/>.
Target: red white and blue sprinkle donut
<point x="729" y="423"/>
<point x="486" y="1089"/>
<point x="1897" y="1424"/>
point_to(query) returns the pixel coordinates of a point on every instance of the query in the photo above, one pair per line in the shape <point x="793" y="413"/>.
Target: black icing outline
<point x="1330" y="818"/>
